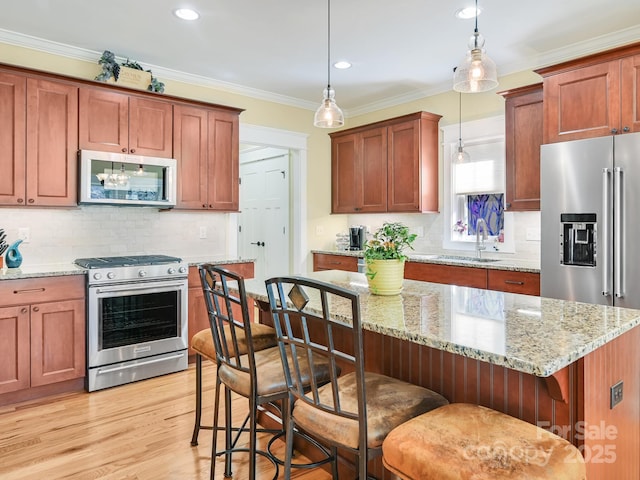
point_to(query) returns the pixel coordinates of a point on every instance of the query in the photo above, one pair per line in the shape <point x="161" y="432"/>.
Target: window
<point x="475" y="189"/>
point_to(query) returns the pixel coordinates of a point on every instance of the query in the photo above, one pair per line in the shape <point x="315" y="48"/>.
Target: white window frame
<point x="476" y="132"/>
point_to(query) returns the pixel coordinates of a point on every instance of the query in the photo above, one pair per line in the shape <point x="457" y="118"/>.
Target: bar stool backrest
<point x="229" y="318"/>
<point x="300" y="310"/>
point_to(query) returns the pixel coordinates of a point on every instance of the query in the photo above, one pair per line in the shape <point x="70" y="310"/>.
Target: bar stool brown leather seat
<point x="354" y="411"/>
<point x="461" y="440"/>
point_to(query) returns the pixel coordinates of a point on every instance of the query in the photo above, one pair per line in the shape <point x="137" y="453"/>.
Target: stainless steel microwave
<point x="123" y="179"/>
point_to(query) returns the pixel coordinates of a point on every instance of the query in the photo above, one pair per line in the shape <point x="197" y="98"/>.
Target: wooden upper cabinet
<point x="38" y="141"/>
<point x="118" y="122"/>
<point x="523" y="137"/>
<point x="630" y="93"/>
<point x="388" y="166"/>
<point x="207" y="143"/>
<point x="593" y="96"/>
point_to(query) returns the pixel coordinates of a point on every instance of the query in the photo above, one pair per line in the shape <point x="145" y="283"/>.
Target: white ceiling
<point x="401" y="50"/>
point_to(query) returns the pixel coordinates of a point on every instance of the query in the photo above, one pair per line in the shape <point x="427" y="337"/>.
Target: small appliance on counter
<point x="357" y="237"/>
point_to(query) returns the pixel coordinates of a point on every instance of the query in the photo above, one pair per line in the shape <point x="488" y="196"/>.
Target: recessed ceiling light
<point x="468" y="12"/>
<point x="186" y="14"/>
<point x="342" y="64"/>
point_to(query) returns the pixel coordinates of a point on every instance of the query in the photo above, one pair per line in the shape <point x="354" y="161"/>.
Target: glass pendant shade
<point x="477" y="72"/>
<point x="461" y="156"/>
<point x="329" y="114"/>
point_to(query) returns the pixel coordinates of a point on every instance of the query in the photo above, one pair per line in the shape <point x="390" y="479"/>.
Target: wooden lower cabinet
<point x="452" y="275"/>
<point x="42" y="332"/>
<point x="514" y="282"/>
<point x="326" y="261"/>
<point x="198" y="316"/>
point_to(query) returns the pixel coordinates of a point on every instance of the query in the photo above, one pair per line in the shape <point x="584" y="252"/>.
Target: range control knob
<point x="142" y="273"/>
<point x="171" y="271"/>
<point x="111" y="275"/>
<point x="182" y="269"/>
<point x="97" y="276"/>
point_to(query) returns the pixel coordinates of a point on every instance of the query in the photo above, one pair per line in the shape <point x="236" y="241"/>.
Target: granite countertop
<point x="61" y="269"/>
<point x="463" y="260"/>
<point x="534" y="335"/>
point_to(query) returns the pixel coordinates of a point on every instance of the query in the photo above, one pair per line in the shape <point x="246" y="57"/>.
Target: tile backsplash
<point x="60" y="235"/>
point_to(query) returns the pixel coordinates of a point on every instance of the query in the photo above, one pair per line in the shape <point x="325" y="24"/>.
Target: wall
<point x="322" y="226"/>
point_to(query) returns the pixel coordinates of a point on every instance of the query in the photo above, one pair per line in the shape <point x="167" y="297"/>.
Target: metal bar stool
<point x="462" y="440"/>
<point x="202" y="343"/>
<point x="354" y="411"/>
<point x="255" y="375"/>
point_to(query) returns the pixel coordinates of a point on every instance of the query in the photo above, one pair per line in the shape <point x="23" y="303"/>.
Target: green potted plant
<point x="384" y="257"/>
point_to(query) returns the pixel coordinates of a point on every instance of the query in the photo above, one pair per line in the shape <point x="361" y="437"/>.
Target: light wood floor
<point x="140" y="431"/>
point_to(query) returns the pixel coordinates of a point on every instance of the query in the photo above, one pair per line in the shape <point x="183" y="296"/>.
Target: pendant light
<point x="477" y="72"/>
<point x="461" y="156"/>
<point x="328" y="114"/>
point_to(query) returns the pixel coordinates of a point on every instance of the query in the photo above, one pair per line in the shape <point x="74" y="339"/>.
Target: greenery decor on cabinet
<point x="112" y="69"/>
<point x="384" y="257"/>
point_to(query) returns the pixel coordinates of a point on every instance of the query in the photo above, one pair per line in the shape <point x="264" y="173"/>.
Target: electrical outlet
<point x="24" y="234"/>
<point x="419" y="231"/>
<point x="616" y="394"/>
<point x="533" y="234"/>
<point x="203" y="232"/>
<point x="319" y="230"/>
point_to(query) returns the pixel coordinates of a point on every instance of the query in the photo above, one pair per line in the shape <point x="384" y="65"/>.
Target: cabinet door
<point x="14" y="348"/>
<point x="582" y="103"/>
<point x="404" y="167"/>
<point x="190" y="147"/>
<point x="345" y="176"/>
<point x="630" y="94"/>
<point x="103" y="120"/>
<point x="523" y="136"/>
<point x="223" y="161"/>
<point x="150" y="127"/>
<point x="52" y="143"/>
<point x="57" y="342"/>
<point x="371" y="164"/>
<point x="13" y="119"/>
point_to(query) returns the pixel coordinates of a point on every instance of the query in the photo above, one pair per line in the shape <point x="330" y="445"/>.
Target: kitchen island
<point x="549" y="362"/>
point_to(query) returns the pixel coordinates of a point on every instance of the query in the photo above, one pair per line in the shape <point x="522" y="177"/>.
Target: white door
<point x="263" y="228"/>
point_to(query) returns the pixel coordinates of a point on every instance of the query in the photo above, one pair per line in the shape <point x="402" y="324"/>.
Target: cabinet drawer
<point x="514" y="282"/>
<point x="323" y="261"/>
<point x="452" y="275"/>
<point x="38" y="290"/>
<point x="243" y="268"/>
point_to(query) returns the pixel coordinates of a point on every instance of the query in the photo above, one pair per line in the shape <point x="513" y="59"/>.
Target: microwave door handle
<point x="605" y="232"/>
<point x="617" y="232"/>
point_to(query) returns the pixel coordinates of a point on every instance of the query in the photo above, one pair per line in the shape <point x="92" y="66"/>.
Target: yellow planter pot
<point x="385" y="276"/>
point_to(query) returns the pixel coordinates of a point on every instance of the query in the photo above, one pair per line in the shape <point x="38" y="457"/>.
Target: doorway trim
<point x="296" y="143"/>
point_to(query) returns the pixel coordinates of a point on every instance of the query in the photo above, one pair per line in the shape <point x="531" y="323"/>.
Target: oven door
<point x="136" y="320"/>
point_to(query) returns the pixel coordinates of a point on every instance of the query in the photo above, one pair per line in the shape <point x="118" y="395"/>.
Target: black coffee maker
<point x="357" y="236"/>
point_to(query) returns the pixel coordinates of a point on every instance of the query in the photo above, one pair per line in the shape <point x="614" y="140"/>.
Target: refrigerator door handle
<point x="617" y="232"/>
<point x="605" y="237"/>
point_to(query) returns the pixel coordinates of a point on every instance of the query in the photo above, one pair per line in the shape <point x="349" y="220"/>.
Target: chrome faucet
<point x="480" y="245"/>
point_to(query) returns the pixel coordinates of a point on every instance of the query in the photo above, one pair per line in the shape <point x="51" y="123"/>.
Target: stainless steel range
<point x="136" y="318"/>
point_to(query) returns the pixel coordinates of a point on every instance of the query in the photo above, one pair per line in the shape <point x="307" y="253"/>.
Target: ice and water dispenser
<point x="578" y="239"/>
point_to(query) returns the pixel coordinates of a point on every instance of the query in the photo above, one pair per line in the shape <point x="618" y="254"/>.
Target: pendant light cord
<point x="329" y="45"/>
<point x="459" y="119"/>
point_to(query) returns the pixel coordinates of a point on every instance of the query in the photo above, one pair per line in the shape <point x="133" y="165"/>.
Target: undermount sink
<point x="455" y="258"/>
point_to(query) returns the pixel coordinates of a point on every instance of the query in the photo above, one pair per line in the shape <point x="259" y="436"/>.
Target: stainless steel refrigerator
<point x="590" y="220"/>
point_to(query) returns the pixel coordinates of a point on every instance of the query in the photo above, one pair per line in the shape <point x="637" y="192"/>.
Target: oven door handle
<point x="137" y="364"/>
<point x="123" y="288"/>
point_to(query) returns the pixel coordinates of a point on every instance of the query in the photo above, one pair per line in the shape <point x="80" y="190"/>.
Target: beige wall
<point x="274" y="115"/>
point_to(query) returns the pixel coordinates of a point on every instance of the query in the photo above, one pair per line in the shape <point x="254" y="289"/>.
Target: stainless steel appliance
<point x="590" y="239"/>
<point x="136" y="318"/>
<point x="124" y="179"/>
<point x="357" y="237"/>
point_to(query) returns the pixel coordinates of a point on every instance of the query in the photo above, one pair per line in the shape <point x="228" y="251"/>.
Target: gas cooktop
<point x="126" y="261"/>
